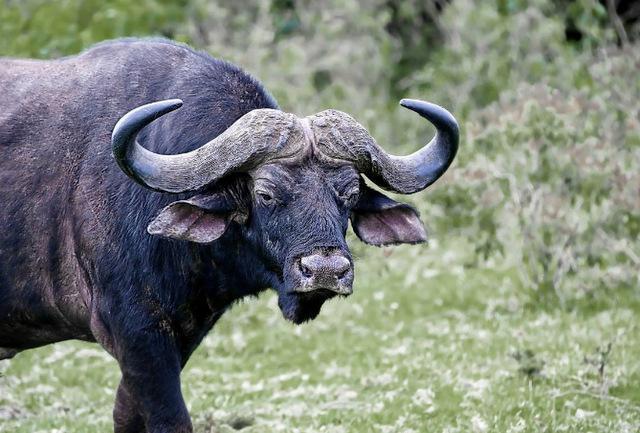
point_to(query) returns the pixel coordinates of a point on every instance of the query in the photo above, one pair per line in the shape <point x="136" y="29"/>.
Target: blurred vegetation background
<point x="545" y="193"/>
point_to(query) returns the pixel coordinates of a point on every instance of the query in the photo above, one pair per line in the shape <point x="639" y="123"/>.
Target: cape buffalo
<point x="137" y="229"/>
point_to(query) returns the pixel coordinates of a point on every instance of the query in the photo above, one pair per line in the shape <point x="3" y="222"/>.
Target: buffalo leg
<point x="149" y="394"/>
<point x="126" y="414"/>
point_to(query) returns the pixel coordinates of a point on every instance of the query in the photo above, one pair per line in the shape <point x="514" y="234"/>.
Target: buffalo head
<point x="290" y="185"/>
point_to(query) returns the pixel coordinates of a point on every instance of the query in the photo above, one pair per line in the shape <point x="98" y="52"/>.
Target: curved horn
<point x="341" y="137"/>
<point x="257" y="136"/>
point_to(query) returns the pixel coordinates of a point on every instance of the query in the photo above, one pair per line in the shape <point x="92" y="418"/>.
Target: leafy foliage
<point x="44" y="29"/>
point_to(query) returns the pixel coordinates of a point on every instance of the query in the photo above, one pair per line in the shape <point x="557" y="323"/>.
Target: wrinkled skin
<point x="284" y="211"/>
<point x="298" y="210"/>
<point x="77" y="260"/>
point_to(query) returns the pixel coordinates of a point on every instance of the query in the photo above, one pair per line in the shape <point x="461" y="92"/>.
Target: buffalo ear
<point x="202" y="218"/>
<point x="378" y="220"/>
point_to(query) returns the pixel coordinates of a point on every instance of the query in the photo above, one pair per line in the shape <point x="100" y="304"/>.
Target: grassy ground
<point x="440" y="351"/>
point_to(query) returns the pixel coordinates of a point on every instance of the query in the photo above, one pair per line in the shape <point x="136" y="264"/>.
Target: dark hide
<point x="76" y="259"/>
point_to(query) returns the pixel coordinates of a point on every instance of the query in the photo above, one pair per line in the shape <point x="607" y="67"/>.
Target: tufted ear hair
<point x="378" y="220"/>
<point x="202" y="218"/>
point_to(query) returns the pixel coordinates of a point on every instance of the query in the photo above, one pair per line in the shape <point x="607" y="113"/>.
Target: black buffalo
<point x="243" y="197"/>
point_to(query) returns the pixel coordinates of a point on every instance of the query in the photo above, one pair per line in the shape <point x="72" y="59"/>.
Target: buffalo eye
<point x="350" y="195"/>
<point x="265" y="197"/>
<point x="350" y="198"/>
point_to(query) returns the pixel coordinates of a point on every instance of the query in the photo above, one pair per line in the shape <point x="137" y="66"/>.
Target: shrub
<point x="550" y="184"/>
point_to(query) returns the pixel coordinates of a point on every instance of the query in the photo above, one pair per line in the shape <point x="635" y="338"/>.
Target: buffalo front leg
<point x="149" y="398"/>
<point x="126" y="414"/>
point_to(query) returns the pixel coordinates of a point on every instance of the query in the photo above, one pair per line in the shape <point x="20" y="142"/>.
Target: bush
<point x="550" y="185"/>
<point x="45" y="29"/>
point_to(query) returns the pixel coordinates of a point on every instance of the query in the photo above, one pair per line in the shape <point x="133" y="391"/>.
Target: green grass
<point x="450" y="349"/>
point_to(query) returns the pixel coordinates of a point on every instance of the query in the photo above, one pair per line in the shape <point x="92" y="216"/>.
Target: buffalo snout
<point x="330" y="271"/>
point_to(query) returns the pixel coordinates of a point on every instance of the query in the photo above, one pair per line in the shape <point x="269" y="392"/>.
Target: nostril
<point x="342" y="267"/>
<point x="342" y="273"/>
<point x="304" y="270"/>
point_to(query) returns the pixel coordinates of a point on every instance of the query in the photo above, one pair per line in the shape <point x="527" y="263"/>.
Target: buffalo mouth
<point x="300" y="307"/>
<point x="311" y="279"/>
